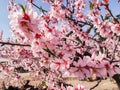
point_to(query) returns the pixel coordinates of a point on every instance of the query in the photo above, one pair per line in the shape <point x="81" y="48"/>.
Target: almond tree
<point x="58" y="42"/>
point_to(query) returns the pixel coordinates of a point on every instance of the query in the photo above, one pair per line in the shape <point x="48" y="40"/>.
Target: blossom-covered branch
<point x="66" y="39"/>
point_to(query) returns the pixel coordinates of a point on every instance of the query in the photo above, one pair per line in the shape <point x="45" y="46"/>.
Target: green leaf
<point x="107" y="17"/>
<point x="23" y="7"/>
<point x="49" y="51"/>
<point x="118" y="16"/>
<point x="102" y="38"/>
<point x="42" y="10"/>
<point x="44" y="83"/>
<point x="91" y="5"/>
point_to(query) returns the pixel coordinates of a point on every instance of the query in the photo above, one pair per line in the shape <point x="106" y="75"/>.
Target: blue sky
<point x="4" y="21"/>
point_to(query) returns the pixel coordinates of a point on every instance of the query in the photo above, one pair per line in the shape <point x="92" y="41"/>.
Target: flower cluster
<point x="58" y="42"/>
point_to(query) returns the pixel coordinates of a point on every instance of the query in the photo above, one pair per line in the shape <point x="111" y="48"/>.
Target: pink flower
<point x="116" y="28"/>
<point x="80" y="69"/>
<point x="56" y="64"/>
<point x="80" y="87"/>
<point x="106" y="1"/>
<point x="26" y="24"/>
<point x="57" y="12"/>
<point x="70" y="88"/>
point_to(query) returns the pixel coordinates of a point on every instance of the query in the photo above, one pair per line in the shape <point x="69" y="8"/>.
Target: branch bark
<point x="13" y="44"/>
<point x="95" y="85"/>
<point x="89" y="29"/>
<point x="107" y="7"/>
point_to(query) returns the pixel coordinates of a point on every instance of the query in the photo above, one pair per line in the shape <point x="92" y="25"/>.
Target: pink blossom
<point x="115" y="28"/>
<point x="80" y="69"/>
<point x="59" y="42"/>
<point x="24" y="22"/>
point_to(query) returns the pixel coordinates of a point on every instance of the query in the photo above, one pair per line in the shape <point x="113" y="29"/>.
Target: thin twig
<point x="114" y="52"/>
<point x="13" y="44"/>
<point x="89" y="29"/>
<point x="107" y="7"/>
<point x="95" y="85"/>
<point x="67" y="3"/>
<point x="40" y="8"/>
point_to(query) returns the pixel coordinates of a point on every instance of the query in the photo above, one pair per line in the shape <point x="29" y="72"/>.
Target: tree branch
<point x="80" y="23"/>
<point x="95" y="85"/>
<point x="13" y="44"/>
<point x="40" y="8"/>
<point x="89" y="29"/>
<point x="107" y="7"/>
